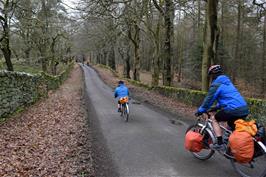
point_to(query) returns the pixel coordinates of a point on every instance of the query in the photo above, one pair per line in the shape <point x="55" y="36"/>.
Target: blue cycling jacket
<point x="227" y="96"/>
<point x="121" y="91"/>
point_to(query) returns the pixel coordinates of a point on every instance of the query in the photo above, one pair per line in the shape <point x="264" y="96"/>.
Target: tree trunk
<point x="127" y="64"/>
<point x="27" y="54"/>
<point x="210" y="41"/>
<point x="205" y="59"/>
<point x="263" y="66"/>
<point x="98" y="57"/>
<point x="111" y="58"/>
<point x="237" y="43"/>
<point x="7" y="54"/>
<point x="136" y="67"/>
<point x="156" y="65"/>
<point x="199" y="14"/>
<point x="168" y="45"/>
<point x="5" y="44"/>
<point x="156" y="54"/>
<point x="125" y="56"/>
<point x="181" y="55"/>
<point x="44" y="47"/>
<point x="54" y="67"/>
<point x="44" y="58"/>
<point x="222" y="24"/>
<point x="6" y="50"/>
<point x="44" y="64"/>
<point x="53" y="58"/>
<point x="103" y="58"/>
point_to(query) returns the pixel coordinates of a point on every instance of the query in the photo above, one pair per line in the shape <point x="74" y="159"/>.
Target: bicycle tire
<point x="122" y="111"/>
<point x="256" y="168"/>
<point x="126" y="117"/>
<point x="205" y="153"/>
<point x="126" y="112"/>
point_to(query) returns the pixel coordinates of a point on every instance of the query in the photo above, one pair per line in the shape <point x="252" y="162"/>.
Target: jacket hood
<point x="223" y="79"/>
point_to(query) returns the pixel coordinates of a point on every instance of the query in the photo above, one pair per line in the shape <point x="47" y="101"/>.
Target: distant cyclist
<point x="121" y="91"/>
<point x="230" y="104"/>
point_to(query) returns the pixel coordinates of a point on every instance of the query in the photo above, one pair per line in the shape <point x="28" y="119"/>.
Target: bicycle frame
<point x="208" y="125"/>
<point x="261" y="144"/>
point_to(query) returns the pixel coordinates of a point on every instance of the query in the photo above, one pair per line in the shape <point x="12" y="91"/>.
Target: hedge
<point x="53" y="82"/>
<point x="195" y="97"/>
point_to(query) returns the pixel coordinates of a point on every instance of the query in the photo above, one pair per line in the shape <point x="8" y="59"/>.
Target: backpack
<point x="193" y="141"/>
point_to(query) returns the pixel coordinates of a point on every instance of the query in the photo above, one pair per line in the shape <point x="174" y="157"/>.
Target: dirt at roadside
<point x="51" y="138"/>
<point x="149" y="96"/>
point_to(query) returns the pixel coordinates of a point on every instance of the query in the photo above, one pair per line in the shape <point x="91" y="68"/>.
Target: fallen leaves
<point x="49" y="139"/>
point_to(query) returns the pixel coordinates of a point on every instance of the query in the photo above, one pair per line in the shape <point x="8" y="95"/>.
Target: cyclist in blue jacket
<point x="121" y="91"/>
<point x="230" y="104"/>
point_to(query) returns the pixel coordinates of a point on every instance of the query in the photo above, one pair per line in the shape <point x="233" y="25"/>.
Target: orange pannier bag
<point x="246" y="126"/>
<point x="193" y="141"/>
<point x="123" y="100"/>
<point x="242" y="146"/>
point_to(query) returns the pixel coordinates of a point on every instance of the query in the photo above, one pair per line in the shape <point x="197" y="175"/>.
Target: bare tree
<point x="6" y="13"/>
<point x="168" y="14"/>
<point x="210" y="42"/>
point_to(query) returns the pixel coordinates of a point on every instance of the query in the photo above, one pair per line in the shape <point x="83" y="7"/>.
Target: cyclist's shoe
<point x="218" y="147"/>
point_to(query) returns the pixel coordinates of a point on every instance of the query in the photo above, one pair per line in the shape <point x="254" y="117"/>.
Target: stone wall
<point x="18" y="89"/>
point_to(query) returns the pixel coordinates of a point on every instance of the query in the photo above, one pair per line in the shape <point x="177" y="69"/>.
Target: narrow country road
<point x="148" y="145"/>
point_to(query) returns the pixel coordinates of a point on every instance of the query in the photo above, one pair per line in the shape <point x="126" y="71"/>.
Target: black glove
<point x="197" y="114"/>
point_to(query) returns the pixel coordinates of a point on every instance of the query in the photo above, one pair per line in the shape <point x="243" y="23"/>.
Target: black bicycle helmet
<point x="215" y="69"/>
<point x="120" y="82"/>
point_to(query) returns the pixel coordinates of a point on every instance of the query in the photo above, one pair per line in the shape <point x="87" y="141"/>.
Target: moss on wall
<point x="18" y="89"/>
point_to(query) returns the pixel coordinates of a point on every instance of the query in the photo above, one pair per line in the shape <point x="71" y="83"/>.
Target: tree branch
<point x="158" y="7"/>
<point x="261" y="5"/>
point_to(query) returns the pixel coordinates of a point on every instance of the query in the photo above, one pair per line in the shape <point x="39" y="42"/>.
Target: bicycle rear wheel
<point x="125" y="112"/>
<point x="122" y="111"/>
<point x="206" y="152"/>
<point x="255" y="168"/>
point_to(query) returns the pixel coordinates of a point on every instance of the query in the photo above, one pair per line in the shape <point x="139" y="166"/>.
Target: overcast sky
<point x="70" y="4"/>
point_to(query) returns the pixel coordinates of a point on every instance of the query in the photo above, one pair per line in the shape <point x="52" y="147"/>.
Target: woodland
<point x="174" y="41"/>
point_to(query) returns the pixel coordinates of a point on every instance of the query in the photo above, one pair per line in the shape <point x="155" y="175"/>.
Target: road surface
<point x="148" y="145"/>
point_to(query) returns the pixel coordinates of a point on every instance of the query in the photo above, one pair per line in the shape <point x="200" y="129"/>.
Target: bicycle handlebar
<point x="214" y="109"/>
<point x="201" y="116"/>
